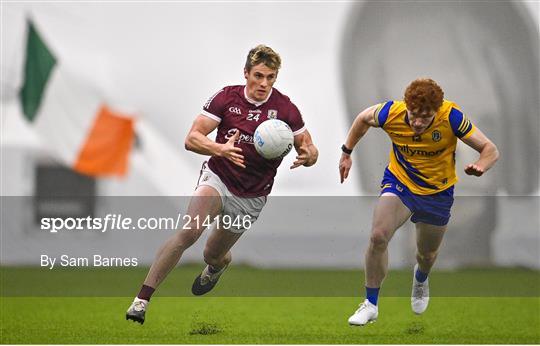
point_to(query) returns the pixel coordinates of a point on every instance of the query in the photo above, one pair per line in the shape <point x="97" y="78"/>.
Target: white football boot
<point x="366" y="313"/>
<point x="420" y="294"/>
<point x="137" y="310"/>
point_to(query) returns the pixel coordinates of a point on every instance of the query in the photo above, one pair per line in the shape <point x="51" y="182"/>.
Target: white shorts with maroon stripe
<point x="237" y="208"/>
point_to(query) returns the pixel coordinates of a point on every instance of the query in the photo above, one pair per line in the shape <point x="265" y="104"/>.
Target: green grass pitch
<point x="244" y="310"/>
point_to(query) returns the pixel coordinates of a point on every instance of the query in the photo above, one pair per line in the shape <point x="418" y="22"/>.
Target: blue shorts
<point x="431" y="209"/>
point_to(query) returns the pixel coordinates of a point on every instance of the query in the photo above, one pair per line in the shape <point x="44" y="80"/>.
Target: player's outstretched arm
<point x="198" y="142"/>
<point x="361" y="124"/>
<point x="306" y="150"/>
<point x="489" y="154"/>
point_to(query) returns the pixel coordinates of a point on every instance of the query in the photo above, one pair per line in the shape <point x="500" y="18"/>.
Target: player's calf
<point x="426" y="259"/>
<point x="216" y="260"/>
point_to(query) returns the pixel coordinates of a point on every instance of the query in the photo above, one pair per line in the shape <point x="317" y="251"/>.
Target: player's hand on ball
<point x="232" y="153"/>
<point x="345" y="164"/>
<point x="473" y="169"/>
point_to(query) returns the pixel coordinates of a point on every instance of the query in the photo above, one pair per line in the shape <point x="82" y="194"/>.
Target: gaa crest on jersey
<point x="417" y="138"/>
<point x="272" y="114"/>
<point x="235" y="110"/>
<point x="436" y="136"/>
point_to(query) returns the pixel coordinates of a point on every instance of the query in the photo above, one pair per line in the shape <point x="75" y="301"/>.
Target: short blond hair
<point x="263" y="54"/>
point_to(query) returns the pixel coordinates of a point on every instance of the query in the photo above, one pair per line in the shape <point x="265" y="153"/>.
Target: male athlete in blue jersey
<point x="418" y="182"/>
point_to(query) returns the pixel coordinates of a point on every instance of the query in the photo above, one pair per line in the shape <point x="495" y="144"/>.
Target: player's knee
<point x="378" y="239"/>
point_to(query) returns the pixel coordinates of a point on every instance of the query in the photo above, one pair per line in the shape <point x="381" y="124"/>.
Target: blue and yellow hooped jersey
<point x="424" y="163"/>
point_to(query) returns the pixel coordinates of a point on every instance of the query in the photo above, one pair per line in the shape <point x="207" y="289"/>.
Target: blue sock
<point x="372" y="294"/>
<point x="420" y="276"/>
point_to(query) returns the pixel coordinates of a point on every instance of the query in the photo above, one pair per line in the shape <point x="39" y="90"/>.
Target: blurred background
<point x="98" y="97"/>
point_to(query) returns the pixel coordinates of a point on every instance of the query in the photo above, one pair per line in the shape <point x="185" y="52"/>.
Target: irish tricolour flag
<point x="69" y="113"/>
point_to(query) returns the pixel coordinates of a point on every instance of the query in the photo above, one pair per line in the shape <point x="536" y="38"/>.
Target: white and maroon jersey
<point x="235" y="111"/>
